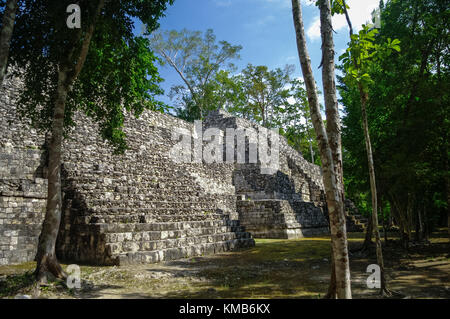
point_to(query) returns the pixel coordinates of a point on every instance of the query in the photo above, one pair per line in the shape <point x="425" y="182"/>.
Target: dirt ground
<point x="272" y="269"/>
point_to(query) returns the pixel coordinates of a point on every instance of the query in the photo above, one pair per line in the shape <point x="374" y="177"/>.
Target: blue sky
<point x="264" y="28"/>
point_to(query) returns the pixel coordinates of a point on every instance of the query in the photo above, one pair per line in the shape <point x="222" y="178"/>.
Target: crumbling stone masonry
<point x="142" y="206"/>
<point x="290" y="203"/>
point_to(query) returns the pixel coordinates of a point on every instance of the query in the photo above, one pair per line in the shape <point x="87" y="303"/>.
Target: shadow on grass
<point x="272" y="269"/>
<point x="13" y="284"/>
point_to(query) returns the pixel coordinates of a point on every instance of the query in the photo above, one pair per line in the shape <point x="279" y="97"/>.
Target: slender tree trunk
<point x="425" y="222"/>
<point x="419" y="225"/>
<point x="9" y="16"/>
<point x="385" y="230"/>
<point x="46" y="257"/>
<point x="68" y="71"/>
<point x="448" y="218"/>
<point x="332" y="289"/>
<point x="408" y="220"/>
<point x="195" y="97"/>
<point x="368" y="237"/>
<point x="373" y="189"/>
<point x="447" y="184"/>
<point x="364" y="98"/>
<point x="329" y="87"/>
<point x="333" y="191"/>
<point x="331" y="105"/>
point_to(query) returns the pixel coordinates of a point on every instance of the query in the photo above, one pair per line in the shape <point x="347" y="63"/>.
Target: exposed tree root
<point x="48" y="268"/>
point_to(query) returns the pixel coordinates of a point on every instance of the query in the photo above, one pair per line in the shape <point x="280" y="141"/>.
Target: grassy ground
<point x="272" y="269"/>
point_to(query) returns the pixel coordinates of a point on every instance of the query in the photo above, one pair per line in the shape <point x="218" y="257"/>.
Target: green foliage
<point x="118" y="76"/>
<point x="197" y="59"/>
<point x="337" y="6"/>
<point x="408" y="111"/>
<point x="255" y="93"/>
<point x="364" y="51"/>
<point x="263" y="93"/>
<point x="272" y="99"/>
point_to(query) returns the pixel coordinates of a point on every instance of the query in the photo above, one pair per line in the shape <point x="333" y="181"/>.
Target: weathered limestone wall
<point x="144" y="206"/>
<point x="290" y="203"/>
<point x="136" y="207"/>
<point x="23" y="188"/>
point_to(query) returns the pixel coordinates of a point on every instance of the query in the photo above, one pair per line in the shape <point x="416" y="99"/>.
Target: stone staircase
<point x="356" y="222"/>
<point x="149" y="209"/>
<point x="276" y="218"/>
<point x="290" y="203"/>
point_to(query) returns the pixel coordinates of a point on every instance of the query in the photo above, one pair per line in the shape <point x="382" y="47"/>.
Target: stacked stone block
<point x="141" y="206"/>
<point x="23" y="188"/>
<point x="290" y="203"/>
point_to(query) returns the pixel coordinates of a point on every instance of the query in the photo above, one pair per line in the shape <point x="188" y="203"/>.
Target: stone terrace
<point x="144" y="207"/>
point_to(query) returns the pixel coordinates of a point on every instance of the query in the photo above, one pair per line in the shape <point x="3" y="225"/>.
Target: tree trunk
<point x="448" y="218"/>
<point x="373" y="188"/>
<point x="333" y="127"/>
<point x="447" y="184"/>
<point x="364" y="98"/>
<point x="68" y="71"/>
<point x="9" y="16"/>
<point x="332" y="289"/>
<point x="386" y="229"/>
<point x="332" y="189"/>
<point x="329" y="87"/>
<point x="185" y="80"/>
<point x="46" y="257"/>
<point x="419" y="226"/>
<point x="368" y="237"/>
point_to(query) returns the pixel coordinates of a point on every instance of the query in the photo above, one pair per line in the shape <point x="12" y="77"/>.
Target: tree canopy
<point x="408" y="117"/>
<point x="118" y="76"/>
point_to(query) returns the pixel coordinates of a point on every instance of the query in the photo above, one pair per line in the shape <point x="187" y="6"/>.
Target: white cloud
<point x="360" y="12"/>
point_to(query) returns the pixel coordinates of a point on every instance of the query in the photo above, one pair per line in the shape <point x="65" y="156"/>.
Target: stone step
<point x="194" y="197"/>
<point x="356" y="224"/>
<point x="152" y="195"/>
<point x="190" y="205"/>
<point x="169" y="178"/>
<point x="165" y="226"/>
<point x="134" y="188"/>
<point x="133" y="184"/>
<point x="144" y="257"/>
<point x="157" y="245"/>
<point x="132" y="159"/>
<point x="105" y="228"/>
<point x="112" y="219"/>
<point x="138" y="236"/>
<point x="142" y="211"/>
<point x="86" y="188"/>
<point x="147" y="211"/>
<point x="152" y="177"/>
